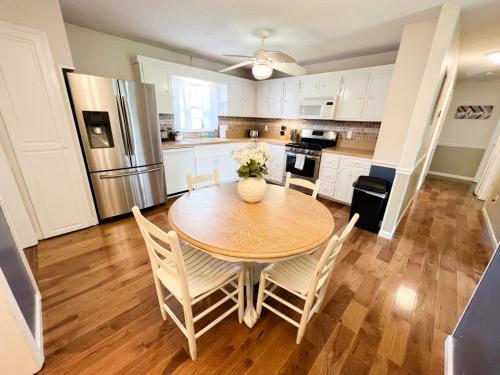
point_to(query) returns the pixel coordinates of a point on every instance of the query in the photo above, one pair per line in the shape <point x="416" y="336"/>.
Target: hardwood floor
<point x="388" y="309"/>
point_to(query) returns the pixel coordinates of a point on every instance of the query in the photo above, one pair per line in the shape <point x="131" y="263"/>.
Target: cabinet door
<point x="204" y="165"/>
<point x="249" y="99"/>
<point x="159" y="77"/>
<point x="263" y="99"/>
<point x="352" y="96"/>
<point x="178" y="164"/>
<point x="290" y="98"/>
<point x="309" y="87"/>
<point x="275" y="98"/>
<point x="329" y="85"/>
<point x="342" y="187"/>
<point x="235" y="97"/>
<point x="376" y="95"/>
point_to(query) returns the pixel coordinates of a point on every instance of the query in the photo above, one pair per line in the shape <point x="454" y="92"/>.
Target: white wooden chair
<point x="192" y="181"/>
<point x="304" y="276"/>
<point x="190" y="276"/>
<point x="303" y="183"/>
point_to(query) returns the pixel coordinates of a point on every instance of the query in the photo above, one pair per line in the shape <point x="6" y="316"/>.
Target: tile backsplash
<point x="363" y="133"/>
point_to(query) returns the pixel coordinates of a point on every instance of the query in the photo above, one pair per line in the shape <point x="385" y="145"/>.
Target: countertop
<point x="346" y="151"/>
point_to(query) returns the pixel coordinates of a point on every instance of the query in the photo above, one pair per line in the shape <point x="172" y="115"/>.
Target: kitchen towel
<point x="300" y="159"/>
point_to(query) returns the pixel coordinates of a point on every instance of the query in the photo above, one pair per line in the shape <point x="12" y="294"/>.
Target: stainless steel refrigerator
<point x="120" y="135"/>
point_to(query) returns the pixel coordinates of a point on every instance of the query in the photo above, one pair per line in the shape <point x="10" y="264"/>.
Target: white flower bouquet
<point x="252" y="159"/>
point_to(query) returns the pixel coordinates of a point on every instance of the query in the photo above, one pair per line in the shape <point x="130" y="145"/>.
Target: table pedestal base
<point x="250" y="317"/>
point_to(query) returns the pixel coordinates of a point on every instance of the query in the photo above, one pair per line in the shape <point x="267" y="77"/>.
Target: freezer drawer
<point x="117" y="191"/>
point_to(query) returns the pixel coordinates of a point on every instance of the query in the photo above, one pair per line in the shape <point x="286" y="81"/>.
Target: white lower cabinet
<point x="276" y="165"/>
<point x="178" y="163"/>
<point x="338" y="173"/>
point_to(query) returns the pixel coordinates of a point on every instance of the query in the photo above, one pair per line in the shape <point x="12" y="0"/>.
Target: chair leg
<point x="188" y="315"/>
<point x="260" y="296"/>
<point x="241" y="296"/>
<point x="161" y="297"/>
<point x="305" y="317"/>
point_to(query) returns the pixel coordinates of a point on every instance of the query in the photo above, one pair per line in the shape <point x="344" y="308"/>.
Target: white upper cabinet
<point x="329" y="85"/>
<point x="263" y="99"/>
<point x="160" y="77"/>
<point x="363" y="94"/>
<point x="249" y="98"/>
<point x="276" y="98"/>
<point x="376" y="94"/>
<point x="290" y="98"/>
<point x="309" y="86"/>
<point x="352" y="95"/>
<point x="235" y="97"/>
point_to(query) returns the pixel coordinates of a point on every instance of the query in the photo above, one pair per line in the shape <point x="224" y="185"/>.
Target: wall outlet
<point x="349" y="134"/>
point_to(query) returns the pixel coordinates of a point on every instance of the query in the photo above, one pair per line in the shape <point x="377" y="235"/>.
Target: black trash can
<point x="369" y="201"/>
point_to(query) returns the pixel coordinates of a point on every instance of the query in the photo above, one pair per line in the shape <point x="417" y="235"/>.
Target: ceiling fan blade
<point x="235" y="66"/>
<point x="239" y="56"/>
<point x="280" y="57"/>
<point x="290" y="69"/>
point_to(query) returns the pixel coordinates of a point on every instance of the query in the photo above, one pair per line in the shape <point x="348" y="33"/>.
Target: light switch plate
<point x="266" y="128"/>
<point x="349" y="134"/>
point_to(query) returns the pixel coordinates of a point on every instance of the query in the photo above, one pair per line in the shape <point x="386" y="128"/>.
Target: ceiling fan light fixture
<point x="261" y="71"/>
<point x="494" y="57"/>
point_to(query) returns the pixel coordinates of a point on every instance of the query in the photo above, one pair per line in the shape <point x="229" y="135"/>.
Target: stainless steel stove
<point x="303" y="158"/>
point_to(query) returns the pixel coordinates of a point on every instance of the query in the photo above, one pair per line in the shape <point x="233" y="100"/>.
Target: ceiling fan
<point x="264" y="61"/>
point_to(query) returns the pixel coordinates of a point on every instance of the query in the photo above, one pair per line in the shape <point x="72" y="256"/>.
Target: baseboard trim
<point x="449" y="175"/>
<point x="489" y="227"/>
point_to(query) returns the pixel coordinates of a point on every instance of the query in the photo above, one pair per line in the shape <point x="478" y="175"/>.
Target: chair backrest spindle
<point x="303" y="183"/>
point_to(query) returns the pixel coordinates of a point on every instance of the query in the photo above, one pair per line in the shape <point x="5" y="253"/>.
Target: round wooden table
<point x="285" y="224"/>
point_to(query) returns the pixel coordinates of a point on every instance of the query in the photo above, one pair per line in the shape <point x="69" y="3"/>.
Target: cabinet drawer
<point x="326" y="189"/>
<point x="330" y="161"/>
<point x="327" y="175"/>
<point x="354" y="162"/>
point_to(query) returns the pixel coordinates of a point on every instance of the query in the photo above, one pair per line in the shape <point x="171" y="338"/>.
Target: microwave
<point x="318" y="108"/>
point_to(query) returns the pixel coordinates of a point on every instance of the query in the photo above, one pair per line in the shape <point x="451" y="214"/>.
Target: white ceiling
<point x="311" y="31"/>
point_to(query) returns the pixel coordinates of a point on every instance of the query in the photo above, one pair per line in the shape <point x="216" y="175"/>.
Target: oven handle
<point x="307" y="156"/>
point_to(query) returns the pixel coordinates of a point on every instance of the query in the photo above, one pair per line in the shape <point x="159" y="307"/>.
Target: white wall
<point x="472" y="132"/>
<point x="415" y="117"/>
<point x="353" y="63"/>
<point x="405" y="85"/>
<point x="107" y="55"/>
<point x="43" y="15"/>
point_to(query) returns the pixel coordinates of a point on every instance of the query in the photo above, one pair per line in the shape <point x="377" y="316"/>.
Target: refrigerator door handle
<point x="127" y="123"/>
<point x="126" y="143"/>
<point x="105" y="176"/>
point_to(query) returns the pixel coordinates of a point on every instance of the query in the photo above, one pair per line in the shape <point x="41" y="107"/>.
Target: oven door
<point x="308" y="172"/>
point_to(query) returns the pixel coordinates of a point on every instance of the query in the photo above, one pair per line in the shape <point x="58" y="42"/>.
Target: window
<point x="195" y="104"/>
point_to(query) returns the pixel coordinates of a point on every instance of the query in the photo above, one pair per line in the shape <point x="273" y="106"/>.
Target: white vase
<point x="252" y="189"/>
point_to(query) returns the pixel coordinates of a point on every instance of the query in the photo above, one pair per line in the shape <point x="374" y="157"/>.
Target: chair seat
<point x="203" y="271"/>
<point x="294" y="274"/>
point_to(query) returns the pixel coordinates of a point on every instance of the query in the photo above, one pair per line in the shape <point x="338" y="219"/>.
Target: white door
<point x="263" y="99"/>
<point x="159" y="77"/>
<point x="290" y="98"/>
<point x="309" y="87"/>
<point x="249" y="99"/>
<point x="178" y="163"/>
<point x="344" y="178"/>
<point x="235" y="97"/>
<point x="329" y="85"/>
<point x="275" y="98"/>
<point x="376" y="95"/>
<point x="206" y="164"/>
<point x="352" y="96"/>
<point x="40" y="132"/>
